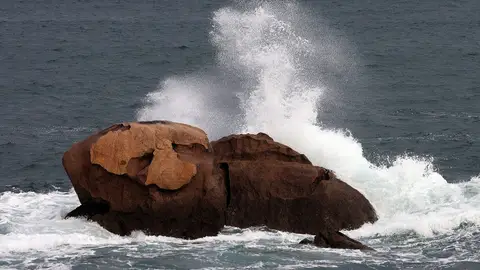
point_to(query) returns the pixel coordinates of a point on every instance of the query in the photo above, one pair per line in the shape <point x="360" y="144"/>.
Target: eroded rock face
<point x="123" y="152"/>
<point x="158" y="177"/>
<point x="273" y="185"/>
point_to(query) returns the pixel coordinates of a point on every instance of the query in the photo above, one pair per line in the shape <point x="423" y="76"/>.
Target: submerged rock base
<point x="334" y="240"/>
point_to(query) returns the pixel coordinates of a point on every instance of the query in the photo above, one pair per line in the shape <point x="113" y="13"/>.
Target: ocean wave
<point x="280" y="95"/>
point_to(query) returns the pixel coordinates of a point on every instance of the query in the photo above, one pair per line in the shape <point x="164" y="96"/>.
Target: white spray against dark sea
<point x="280" y="97"/>
<point x="264" y="63"/>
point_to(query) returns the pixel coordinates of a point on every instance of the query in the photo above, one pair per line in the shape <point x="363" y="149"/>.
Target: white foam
<point x="280" y="95"/>
<point x="264" y="48"/>
<point x="34" y="222"/>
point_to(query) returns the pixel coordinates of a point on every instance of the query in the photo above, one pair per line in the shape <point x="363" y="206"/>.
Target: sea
<point x="385" y="93"/>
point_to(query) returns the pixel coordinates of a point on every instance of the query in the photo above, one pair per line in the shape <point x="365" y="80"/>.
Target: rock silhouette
<point x="165" y="178"/>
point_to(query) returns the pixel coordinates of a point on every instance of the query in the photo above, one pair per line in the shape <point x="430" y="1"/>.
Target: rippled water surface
<point x="385" y="94"/>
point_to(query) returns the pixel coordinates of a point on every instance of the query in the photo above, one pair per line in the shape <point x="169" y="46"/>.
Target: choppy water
<point x="386" y="94"/>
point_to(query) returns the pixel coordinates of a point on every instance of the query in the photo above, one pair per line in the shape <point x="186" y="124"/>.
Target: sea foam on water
<point x="265" y="49"/>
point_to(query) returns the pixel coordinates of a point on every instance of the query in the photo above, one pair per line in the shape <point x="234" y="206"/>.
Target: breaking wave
<point x="268" y="51"/>
<point x="271" y="76"/>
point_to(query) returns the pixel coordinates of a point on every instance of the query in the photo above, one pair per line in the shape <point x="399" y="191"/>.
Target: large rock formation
<point x="152" y="176"/>
<point x="165" y="178"/>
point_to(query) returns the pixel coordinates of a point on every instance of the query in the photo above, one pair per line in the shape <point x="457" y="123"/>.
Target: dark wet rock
<point x="89" y="209"/>
<point x="329" y="239"/>
<point x="306" y="241"/>
<point x="334" y="240"/>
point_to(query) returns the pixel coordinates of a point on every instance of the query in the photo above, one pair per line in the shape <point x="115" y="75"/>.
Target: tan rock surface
<point x="115" y="150"/>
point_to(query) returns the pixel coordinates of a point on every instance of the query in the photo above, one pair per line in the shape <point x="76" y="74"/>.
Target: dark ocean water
<point x="386" y="93"/>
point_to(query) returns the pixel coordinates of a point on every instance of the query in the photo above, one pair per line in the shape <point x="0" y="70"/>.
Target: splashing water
<point x="279" y="94"/>
<point x="268" y="78"/>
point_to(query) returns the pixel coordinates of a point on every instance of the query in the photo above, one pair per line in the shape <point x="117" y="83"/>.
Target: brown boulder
<point x="158" y="177"/>
<point x="328" y="239"/>
<point x="271" y="184"/>
<point x="165" y="178"/>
